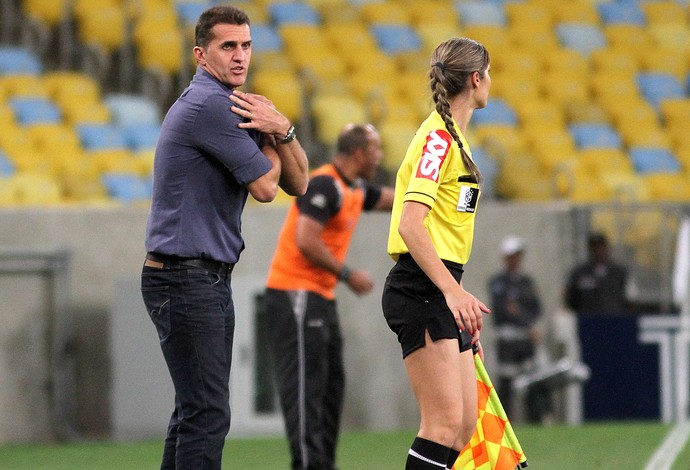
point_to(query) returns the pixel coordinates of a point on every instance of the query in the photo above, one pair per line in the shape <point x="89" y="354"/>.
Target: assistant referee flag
<point x="494" y="445"/>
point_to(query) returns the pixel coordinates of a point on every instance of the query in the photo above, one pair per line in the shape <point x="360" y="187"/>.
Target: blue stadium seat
<point x="141" y="136"/>
<point x="189" y="11"/>
<point x="6" y="166"/>
<point x="481" y="13"/>
<point x="126" y="109"/>
<point x="265" y="38"/>
<point x="126" y="187"/>
<point x="658" y="86"/>
<point x="17" y="60"/>
<point x="587" y="136"/>
<point x="654" y="160"/>
<point x="488" y="168"/>
<point x="582" y="37"/>
<point x="30" y="110"/>
<point x="497" y="111"/>
<point x="621" y="12"/>
<point x="394" y="39"/>
<point x="294" y="12"/>
<point x="101" y="137"/>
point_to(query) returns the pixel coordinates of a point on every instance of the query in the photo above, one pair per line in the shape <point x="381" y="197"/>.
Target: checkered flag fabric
<point x="494" y="445"/>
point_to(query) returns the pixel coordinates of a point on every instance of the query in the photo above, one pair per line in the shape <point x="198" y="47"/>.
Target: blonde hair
<point x="452" y="62"/>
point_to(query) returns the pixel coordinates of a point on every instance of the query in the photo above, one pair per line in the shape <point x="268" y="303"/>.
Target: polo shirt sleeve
<point x="322" y="199"/>
<point x="372" y="194"/>
<point x="218" y="134"/>
<point x="429" y="166"/>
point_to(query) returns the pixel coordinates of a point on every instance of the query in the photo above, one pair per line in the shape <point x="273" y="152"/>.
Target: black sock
<point x="452" y="457"/>
<point x="426" y="455"/>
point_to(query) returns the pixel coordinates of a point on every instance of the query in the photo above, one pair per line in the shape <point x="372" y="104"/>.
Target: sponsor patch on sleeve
<point x="435" y="151"/>
<point x="467" y="202"/>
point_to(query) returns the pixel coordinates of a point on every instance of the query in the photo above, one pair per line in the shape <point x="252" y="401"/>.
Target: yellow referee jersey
<point x="434" y="174"/>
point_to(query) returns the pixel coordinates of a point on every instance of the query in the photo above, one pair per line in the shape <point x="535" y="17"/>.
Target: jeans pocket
<point x="157" y="301"/>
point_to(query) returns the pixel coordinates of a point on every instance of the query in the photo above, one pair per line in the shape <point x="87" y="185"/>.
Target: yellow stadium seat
<point x="673" y="36"/>
<point x="50" y="138"/>
<point x="550" y="146"/>
<point x="22" y="85"/>
<point x="35" y="189"/>
<point x="529" y="14"/>
<point x="349" y="38"/>
<point x="163" y="51"/>
<point x="605" y="161"/>
<point x="517" y="61"/>
<point x="433" y="34"/>
<point x="495" y="38"/>
<point x="566" y="61"/>
<point x="675" y="110"/>
<point x="118" y="160"/>
<point x="7" y="121"/>
<point x="298" y="36"/>
<point x="576" y="12"/>
<point x="432" y="12"/>
<point x="66" y="87"/>
<point x="658" y="59"/>
<point x="574" y="183"/>
<point x="562" y="86"/>
<point x="49" y="11"/>
<point x="626" y="36"/>
<point x="585" y="112"/>
<point x="634" y="135"/>
<point x="626" y="188"/>
<point x="614" y="60"/>
<point x="76" y="113"/>
<point x="501" y="140"/>
<point x="385" y="12"/>
<point x="539" y="114"/>
<point x="617" y="86"/>
<point x="395" y="138"/>
<point x="668" y="186"/>
<point x="637" y="112"/>
<point x="521" y="178"/>
<point x="660" y="12"/>
<point x="542" y="40"/>
<point x="342" y="11"/>
<point x="332" y="111"/>
<point x="104" y="27"/>
<point x="80" y="179"/>
<point x="283" y="88"/>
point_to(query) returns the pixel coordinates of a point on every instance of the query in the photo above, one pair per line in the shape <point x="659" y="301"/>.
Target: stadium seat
<point x="628" y="37"/>
<point x="126" y="187"/>
<point x="595" y="136"/>
<point x="583" y="37"/>
<point x="51" y="12"/>
<point x="76" y="113"/>
<point x="500" y="140"/>
<point x="497" y="111"/>
<point x="149" y="56"/>
<point x="140" y="136"/>
<point x="385" y="12"/>
<point x="496" y="39"/>
<point x="489" y="169"/>
<point x="658" y="59"/>
<point x="671" y="36"/>
<point x="653" y="160"/>
<point x="101" y="136"/>
<point x="53" y="138"/>
<point x="621" y="12"/>
<point x="6" y="166"/>
<point x="585" y="112"/>
<point x="659" y="86"/>
<point x="614" y="60"/>
<point x="672" y="187"/>
<point x="395" y="138"/>
<point x="127" y="109"/>
<point x="190" y="11"/>
<point x="18" y="60"/>
<point x="284" y="88"/>
<point x="103" y="26"/>
<point x="564" y="59"/>
<point x="528" y="14"/>
<point x="69" y="88"/>
<point x="605" y="161"/>
<point x="634" y="135"/>
<point x="484" y="13"/>
<point x="332" y="111"/>
<point x="293" y="12"/>
<point x="576" y="12"/>
<point x="664" y="12"/>
<point x="29" y="111"/>
<point x="394" y="39"/>
<point x="675" y="110"/>
<point x="434" y="12"/>
<point x="265" y="39"/>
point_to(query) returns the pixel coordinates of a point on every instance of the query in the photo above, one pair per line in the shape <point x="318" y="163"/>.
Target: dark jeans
<point x="194" y="316"/>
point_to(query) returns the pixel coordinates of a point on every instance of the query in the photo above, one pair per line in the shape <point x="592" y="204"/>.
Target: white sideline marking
<point x="666" y="454"/>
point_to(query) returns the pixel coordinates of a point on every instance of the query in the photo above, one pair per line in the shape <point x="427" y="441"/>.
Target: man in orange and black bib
<point x="300" y="297"/>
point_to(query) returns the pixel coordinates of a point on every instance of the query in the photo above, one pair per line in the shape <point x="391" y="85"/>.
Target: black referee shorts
<point x="412" y="304"/>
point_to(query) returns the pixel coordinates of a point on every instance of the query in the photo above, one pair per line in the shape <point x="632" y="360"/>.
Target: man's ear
<point x="199" y="55"/>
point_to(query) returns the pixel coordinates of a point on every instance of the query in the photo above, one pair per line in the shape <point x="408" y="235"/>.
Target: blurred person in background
<point x="436" y="320"/>
<point x="217" y="145"/>
<point x="598" y="285"/>
<point x="516" y="309"/>
<point x="309" y="260"/>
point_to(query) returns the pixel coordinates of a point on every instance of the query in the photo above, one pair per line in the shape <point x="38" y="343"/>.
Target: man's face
<point x="373" y="154"/>
<point x="228" y="54"/>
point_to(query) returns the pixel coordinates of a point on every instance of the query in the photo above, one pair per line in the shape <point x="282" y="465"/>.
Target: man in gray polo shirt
<point x="217" y="145"/>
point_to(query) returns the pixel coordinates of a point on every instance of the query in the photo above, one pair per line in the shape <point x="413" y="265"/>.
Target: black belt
<point x="167" y="261"/>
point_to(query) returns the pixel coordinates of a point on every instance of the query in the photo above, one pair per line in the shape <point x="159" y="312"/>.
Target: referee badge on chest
<point x="467" y="200"/>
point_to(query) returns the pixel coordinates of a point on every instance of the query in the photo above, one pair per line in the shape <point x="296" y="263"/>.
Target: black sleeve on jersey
<point x="322" y="199"/>
<point x="372" y="194"/>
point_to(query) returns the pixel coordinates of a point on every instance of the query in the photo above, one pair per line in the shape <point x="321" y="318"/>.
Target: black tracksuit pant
<point x="307" y="350"/>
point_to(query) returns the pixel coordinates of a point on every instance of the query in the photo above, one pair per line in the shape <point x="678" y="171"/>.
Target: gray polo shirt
<point x="202" y="163"/>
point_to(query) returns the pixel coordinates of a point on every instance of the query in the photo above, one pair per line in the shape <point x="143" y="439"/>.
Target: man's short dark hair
<point x="597" y="239"/>
<point x="219" y="14"/>
<point x="354" y="137"/>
